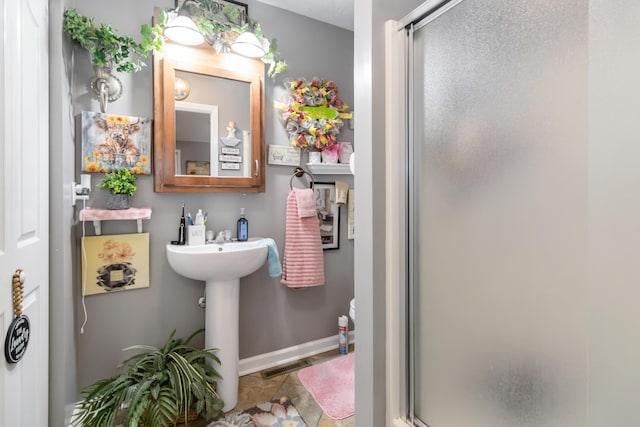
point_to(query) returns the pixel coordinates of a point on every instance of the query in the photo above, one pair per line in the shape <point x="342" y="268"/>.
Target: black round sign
<point x="15" y="345"/>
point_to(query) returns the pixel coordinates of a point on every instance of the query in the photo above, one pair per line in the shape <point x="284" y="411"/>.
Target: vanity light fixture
<point x="225" y="25"/>
<point x="181" y="29"/>
<point x="247" y="44"/>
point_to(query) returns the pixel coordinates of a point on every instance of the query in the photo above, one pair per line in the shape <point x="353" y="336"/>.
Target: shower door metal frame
<point x="412" y="224"/>
<point x="414" y="21"/>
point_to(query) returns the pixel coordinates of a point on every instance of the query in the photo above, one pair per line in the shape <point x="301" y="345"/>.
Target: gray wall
<point x="272" y="317"/>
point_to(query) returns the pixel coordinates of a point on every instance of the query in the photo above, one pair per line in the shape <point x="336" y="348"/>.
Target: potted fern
<point x="158" y="387"/>
<point x="121" y="184"/>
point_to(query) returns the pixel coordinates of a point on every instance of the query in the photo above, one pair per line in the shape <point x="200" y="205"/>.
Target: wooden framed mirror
<point x="208" y="121"/>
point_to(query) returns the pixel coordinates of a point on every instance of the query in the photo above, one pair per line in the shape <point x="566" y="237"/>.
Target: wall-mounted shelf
<point x="99" y="215"/>
<point x="329" y="168"/>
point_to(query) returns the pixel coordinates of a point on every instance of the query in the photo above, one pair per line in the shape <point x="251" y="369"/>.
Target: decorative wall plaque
<point x="17" y="339"/>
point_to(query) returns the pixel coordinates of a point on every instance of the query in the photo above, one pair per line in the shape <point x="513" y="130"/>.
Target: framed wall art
<point x="115" y="263"/>
<point x="111" y="142"/>
<point x="328" y="214"/>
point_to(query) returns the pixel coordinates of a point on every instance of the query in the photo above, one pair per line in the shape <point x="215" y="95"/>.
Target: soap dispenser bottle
<point x="243" y="227"/>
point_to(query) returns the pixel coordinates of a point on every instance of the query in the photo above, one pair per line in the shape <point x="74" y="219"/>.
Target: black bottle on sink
<point x="243" y="227"/>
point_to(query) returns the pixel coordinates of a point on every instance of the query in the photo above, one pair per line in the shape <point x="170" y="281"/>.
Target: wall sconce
<point x="181" y="29"/>
<point x="247" y="44"/>
<point x="107" y="86"/>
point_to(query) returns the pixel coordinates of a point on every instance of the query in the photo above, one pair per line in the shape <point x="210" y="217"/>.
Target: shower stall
<point x="521" y="213"/>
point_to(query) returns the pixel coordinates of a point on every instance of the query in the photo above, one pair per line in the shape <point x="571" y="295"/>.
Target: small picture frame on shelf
<point x="328" y="213"/>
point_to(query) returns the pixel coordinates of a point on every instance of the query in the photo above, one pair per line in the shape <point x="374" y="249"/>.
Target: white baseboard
<point x="289" y="354"/>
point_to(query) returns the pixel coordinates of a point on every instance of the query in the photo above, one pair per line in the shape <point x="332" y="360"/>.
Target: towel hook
<point x="298" y="173"/>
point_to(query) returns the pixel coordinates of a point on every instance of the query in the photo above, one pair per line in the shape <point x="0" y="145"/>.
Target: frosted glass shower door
<point x="498" y="218"/>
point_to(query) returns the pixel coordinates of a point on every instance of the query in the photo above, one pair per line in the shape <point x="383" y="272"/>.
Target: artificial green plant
<point x="108" y="49"/>
<point x="120" y="181"/>
<point x="158" y="388"/>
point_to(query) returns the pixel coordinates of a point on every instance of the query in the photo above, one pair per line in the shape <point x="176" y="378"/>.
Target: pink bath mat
<point x="332" y="385"/>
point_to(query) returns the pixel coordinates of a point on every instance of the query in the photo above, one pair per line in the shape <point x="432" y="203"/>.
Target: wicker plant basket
<point x="191" y="417"/>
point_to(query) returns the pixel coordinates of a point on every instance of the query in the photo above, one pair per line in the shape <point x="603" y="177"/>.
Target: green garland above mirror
<point x="222" y="22"/>
<point x="106" y="48"/>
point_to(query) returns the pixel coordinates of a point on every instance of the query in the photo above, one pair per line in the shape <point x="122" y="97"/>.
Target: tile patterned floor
<point x="254" y="390"/>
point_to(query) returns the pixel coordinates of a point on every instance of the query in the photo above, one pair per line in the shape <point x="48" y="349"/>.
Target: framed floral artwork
<point x="111" y="142"/>
<point x="115" y="263"/>
<point x="328" y="213"/>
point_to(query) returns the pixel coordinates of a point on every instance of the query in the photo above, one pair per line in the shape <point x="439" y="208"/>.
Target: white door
<point x="24" y="234"/>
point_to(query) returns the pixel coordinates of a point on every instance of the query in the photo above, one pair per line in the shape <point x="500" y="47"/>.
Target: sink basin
<point x="221" y="266"/>
<point x="219" y="261"/>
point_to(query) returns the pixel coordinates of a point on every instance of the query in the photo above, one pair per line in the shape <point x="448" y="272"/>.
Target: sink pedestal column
<point x="221" y="332"/>
<point x="221" y="266"/>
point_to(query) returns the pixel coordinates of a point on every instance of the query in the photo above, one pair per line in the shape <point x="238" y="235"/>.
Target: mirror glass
<point x="208" y="121"/>
<point x="213" y="136"/>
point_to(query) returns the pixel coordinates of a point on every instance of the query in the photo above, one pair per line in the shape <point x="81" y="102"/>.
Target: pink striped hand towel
<point x="305" y="202"/>
<point x="303" y="260"/>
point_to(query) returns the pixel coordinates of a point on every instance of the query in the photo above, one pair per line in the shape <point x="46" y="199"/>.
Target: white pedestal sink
<point x="221" y="266"/>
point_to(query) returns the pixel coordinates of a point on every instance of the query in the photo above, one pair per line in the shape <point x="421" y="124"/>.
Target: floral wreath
<point x="313" y="115"/>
